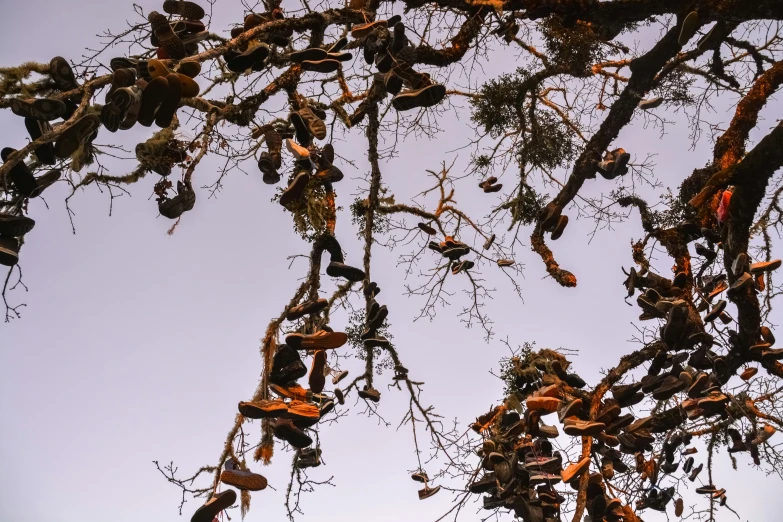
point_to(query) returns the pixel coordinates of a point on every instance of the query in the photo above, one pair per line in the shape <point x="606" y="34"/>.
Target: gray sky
<point x="136" y="346"/>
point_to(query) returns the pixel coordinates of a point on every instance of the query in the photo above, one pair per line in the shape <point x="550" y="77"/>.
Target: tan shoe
<point x="577" y="427"/>
<point x="303" y="414"/>
<point x="263" y="409"/>
<point x="543" y="404"/>
<point x="575" y="470"/>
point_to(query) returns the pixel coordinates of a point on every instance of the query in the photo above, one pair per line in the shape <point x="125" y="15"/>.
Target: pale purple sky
<point x="136" y="346"/>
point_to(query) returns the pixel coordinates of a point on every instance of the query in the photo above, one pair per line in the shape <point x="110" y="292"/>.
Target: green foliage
<point x="503" y="108"/>
<point x="527" y="204"/>
<point x="548" y="143"/>
<point x="354" y="329"/>
<point x="510" y="366"/>
<point x="576" y="46"/>
<point x="500" y="103"/>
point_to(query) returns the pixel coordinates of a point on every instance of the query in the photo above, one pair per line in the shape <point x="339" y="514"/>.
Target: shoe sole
<point x="208" y="512"/>
<point x="15" y="226"/>
<point x="426" y="97"/>
<point x="9" y="251"/>
<point x="322" y="66"/>
<point x="243" y="481"/>
<point x="313" y="54"/>
<point x="330" y="342"/>
<point x="248" y="59"/>
<point x="36" y="129"/>
<point x="62" y="74"/>
<point x="317" y="380"/>
<point x="151" y="98"/>
<point x="188" y="10"/>
<point x="295" y="191"/>
<point x="170" y="104"/>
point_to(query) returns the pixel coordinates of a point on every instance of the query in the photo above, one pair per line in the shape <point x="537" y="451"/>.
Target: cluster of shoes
<point x="614" y="164"/>
<point x="386" y="45"/>
<point x="553" y="220"/>
<point x="490" y="185"/>
<point x="521" y="468"/>
<point x="316" y="59"/>
<point x="38" y="112"/>
<point x="177" y="39"/>
<point x="147" y="92"/>
<point x="234" y="474"/>
<point x="310" y="162"/>
<point x="507" y="29"/>
<point x="371" y="339"/>
<point x="451" y="249"/>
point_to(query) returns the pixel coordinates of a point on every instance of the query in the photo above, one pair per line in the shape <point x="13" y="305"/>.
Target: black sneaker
<point x="424" y="97"/>
<point x="214" y="506"/>
<point x="336" y="269"/>
<point x="15" y="226"/>
<point x="370" y="393"/>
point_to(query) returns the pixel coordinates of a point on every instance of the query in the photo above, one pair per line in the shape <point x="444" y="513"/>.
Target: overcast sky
<point x="136" y="346"/>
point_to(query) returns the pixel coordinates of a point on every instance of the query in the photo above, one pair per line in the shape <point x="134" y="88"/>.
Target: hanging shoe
<point x="419" y="98"/>
<point x="242" y="479"/>
<point x="213" y="507"/>
<point x="317" y="380"/>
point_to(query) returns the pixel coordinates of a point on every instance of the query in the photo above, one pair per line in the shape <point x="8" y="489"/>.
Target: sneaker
<point x="266" y="165"/>
<point x="317" y="380"/>
<point x="765" y="266"/>
<point x="296" y="189"/>
<point x="336" y="269"/>
<point x="315" y="125"/>
<point x="43" y="109"/>
<point x="339" y="376"/>
<point x="327" y="65"/>
<point x="578" y="427"/>
<point x="560" y="227"/>
<point x="427" y="229"/>
<point x="168" y="108"/>
<point x="428" y="492"/>
<point x="62" y="74"/>
<point x="219" y="501"/>
<point x="689" y="27"/>
<point x="308" y="308"/>
<point x="424" y="97"/>
<point x="291" y="391"/>
<point x="166" y="38"/>
<point x="503" y="263"/>
<point x="370" y="393"/>
<point x="695" y="472"/>
<point x="321" y="340"/>
<point x="186" y="9"/>
<point x="242" y="479"/>
<point x="263" y="409"/>
<point x="303" y="414"/>
<point x="184" y="201"/>
<point x="577" y="469"/>
<point x="287" y="366"/>
<point x="9" y="251"/>
<point x="763" y="436"/>
<point x="748" y="373"/>
<point x="338" y="393"/>
<point x="15" y="226"/>
<point x="569" y="410"/>
<point x="286" y="430"/>
<point x="651" y="103"/>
